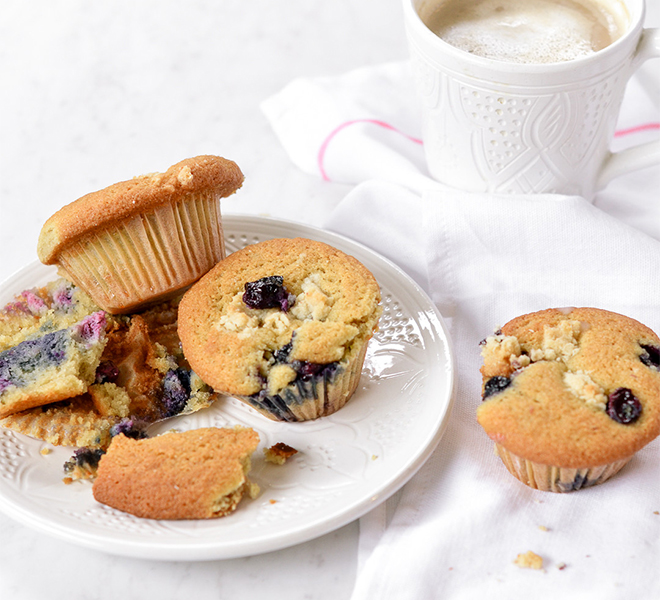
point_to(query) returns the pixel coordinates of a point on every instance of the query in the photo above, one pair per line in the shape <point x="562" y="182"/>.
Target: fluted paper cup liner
<point x="319" y="396"/>
<point x="150" y="257"/>
<point x="556" y="479"/>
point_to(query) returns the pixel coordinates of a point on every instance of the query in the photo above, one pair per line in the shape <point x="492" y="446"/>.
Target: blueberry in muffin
<point x="139" y="375"/>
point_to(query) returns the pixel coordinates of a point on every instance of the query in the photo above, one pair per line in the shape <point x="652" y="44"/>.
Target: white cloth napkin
<point x="457" y="526"/>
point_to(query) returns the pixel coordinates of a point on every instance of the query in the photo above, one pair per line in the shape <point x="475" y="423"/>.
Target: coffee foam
<point x="525" y="31"/>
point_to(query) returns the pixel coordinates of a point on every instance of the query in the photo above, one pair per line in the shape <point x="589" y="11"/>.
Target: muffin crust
<point x="197" y="474"/>
<point x="98" y="210"/>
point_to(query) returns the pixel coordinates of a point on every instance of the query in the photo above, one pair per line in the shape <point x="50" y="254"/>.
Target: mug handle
<point x="644" y="155"/>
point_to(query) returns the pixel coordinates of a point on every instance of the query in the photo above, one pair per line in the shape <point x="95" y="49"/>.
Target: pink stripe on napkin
<point x="637" y="129"/>
<point x="336" y="130"/>
<point x="385" y="125"/>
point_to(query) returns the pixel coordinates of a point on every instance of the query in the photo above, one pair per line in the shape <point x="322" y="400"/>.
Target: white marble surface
<point x="96" y="92"/>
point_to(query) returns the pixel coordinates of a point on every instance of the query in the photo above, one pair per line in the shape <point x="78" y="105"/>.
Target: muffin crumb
<point x="585" y="388"/>
<point x="279" y="453"/>
<point x="560" y="342"/>
<point x="529" y="560"/>
<point x="185" y="175"/>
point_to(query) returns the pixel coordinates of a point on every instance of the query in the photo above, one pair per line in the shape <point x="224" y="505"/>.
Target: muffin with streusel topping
<point x="282" y="325"/>
<point x="569" y="395"/>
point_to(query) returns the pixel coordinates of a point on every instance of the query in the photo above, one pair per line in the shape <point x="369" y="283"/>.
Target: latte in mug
<point x="527" y="31"/>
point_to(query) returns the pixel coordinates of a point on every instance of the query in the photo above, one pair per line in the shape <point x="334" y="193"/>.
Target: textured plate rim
<point x="209" y="549"/>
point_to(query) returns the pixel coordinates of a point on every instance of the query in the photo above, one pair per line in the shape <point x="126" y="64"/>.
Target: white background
<point x="96" y="92"/>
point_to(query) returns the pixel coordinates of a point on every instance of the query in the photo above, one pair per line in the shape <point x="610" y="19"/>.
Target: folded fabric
<point x="457" y="526"/>
<point x="366" y="125"/>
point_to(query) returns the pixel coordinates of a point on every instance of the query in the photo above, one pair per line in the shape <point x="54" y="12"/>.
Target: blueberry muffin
<point x="142" y="241"/>
<point x="137" y="376"/>
<point x="51" y="342"/>
<point x="569" y="395"/>
<point x="57" y="305"/>
<point x="282" y="325"/>
<point x="198" y="474"/>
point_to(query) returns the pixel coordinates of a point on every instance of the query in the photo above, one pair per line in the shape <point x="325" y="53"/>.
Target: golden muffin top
<point x="99" y="210"/>
<point x="197" y="474"/>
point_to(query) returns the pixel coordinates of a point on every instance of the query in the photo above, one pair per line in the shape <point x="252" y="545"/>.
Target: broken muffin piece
<point x="197" y="474"/>
<point x="142" y="376"/>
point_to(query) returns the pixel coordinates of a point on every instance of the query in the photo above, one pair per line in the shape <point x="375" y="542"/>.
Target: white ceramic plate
<point x="347" y="463"/>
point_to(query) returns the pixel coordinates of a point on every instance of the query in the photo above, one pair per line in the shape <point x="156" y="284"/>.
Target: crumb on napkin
<point x="529" y="560"/>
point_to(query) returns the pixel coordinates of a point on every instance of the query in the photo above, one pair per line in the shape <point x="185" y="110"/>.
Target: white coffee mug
<point x="494" y="126"/>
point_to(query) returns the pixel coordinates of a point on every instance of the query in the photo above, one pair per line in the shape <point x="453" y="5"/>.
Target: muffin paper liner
<point x="556" y="479"/>
<point x="150" y="257"/>
<point x="318" y="396"/>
